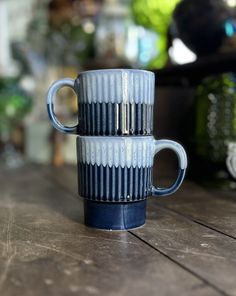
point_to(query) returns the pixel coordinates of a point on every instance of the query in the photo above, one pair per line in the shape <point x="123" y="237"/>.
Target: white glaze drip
<point x="116" y="86"/>
<point x="117" y="151"/>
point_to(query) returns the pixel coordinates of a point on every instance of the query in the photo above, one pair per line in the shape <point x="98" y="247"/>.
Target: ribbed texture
<point x="109" y="119"/>
<point x="116" y="151"/>
<point x="116" y="86"/>
<point x="114" y="184"/>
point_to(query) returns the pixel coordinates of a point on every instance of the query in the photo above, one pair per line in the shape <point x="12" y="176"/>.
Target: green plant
<point x="156" y="15"/>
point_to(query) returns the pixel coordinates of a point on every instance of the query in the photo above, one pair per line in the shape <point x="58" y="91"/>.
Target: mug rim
<point x="116" y="137"/>
<point x="116" y="70"/>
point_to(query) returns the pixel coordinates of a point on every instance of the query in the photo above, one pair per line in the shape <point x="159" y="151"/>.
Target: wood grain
<point x="212" y="209"/>
<point x="46" y="250"/>
<point x="185" y="236"/>
<point x="191" y="200"/>
<point x="203" y="251"/>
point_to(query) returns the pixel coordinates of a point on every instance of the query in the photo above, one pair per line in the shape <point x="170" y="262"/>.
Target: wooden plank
<point x="214" y="210"/>
<point x="46" y="250"/>
<point x="205" y="252"/>
<point x="66" y="177"/>
<point x="209" y="254"/>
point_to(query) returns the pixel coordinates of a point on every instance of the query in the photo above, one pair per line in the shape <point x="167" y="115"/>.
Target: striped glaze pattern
<point x="116" y="151"/>
<point x="116" y="86"/>
<point x="114" y="184"/>
<point x="119" y="169"/>
<point x="110" y="102"/>
<point x="106" y="119"/>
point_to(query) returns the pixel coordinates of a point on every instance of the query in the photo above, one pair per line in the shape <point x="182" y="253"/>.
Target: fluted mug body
<point x="115" y="178"/>
<point x="110" y="102"/>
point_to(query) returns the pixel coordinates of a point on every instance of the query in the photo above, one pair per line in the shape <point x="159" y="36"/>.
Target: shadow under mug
<point x="110" y="102"/>
<point x="115" y="178"/>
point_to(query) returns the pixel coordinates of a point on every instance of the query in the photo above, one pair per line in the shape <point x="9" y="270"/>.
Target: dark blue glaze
<point x="56" y="123"/>
<point x="114" y="184"/>
<point x="110" y="119"/>
<point x="114" y="216"/>
<point x="172" y="189"/>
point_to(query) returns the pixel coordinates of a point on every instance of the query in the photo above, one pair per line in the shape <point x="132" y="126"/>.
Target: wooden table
<point x="187" y="246"/>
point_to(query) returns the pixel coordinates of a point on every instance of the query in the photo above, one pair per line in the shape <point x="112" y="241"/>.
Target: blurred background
<point x="189" y="44"/>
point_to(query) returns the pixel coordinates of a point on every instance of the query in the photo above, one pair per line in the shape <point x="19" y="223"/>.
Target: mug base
<point x="114" y="216"/>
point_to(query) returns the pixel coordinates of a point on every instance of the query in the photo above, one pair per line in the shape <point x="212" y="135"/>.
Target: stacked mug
<point x="115" y="146"/>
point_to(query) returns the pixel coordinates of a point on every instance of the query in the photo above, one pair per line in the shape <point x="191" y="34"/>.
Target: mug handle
<point x="182" y="158"/>
<point x="231" y="165"/>
<point x="50" y="105"/>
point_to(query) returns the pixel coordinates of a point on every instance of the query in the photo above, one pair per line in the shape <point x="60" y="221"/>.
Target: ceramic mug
<point x="110" y="102"/>
<point x="115" y="178"/>
<point x="231" y="159"/>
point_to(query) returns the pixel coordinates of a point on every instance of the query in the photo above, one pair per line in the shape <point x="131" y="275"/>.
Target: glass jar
<point x="111" y="34"/>
<point x="215" y="126"/>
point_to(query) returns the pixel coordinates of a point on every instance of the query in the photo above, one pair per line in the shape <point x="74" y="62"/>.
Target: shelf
<point x="191" y="74"/>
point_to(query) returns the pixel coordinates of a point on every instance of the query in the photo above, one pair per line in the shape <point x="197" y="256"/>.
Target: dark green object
<point x="156" y="15"/>
<point x="14" y="104"/>
<point x="200" y="24"/>
<point x="215" y="122"/>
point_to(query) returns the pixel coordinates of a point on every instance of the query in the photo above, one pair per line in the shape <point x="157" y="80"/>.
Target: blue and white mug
<point x="115" y="178"/>
<point x="110" y="102"/>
